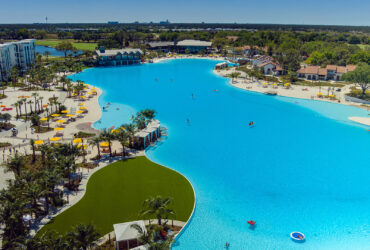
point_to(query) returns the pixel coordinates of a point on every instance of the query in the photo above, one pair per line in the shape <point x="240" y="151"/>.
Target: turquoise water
<point x="303" y="167"/>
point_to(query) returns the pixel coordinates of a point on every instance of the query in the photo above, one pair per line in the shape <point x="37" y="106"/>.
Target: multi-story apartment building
<point x="20" y="54"/>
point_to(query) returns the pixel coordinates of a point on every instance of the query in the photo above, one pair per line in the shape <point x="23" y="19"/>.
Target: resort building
<point x="185" y="46"/>
<point x="330" y="72"/>
<point x="193" y="46"/>
<point x="20" y="54"/>
<point x="127" y="236"/>
<point x="161" y="46"/>
<point x="150" y="134"/>
<point x="115" y="57"/>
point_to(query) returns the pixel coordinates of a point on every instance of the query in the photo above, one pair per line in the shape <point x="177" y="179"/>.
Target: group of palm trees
<point x="35" y="103"/>
<point x="124" y="134"/>
<point x="34" y="191"/>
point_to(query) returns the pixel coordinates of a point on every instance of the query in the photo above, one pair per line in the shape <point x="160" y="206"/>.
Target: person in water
<point x="187" y="121"/>
<point x="192" y="96"/>
<point x="227" y="245"/>
<point x="251" y="123"/>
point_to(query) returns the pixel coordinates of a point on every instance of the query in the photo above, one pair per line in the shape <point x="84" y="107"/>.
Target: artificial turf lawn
<point x="116" y="193"/>
<point x="77" y="45"/>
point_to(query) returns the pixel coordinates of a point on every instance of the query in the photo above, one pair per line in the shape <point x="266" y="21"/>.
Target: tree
<point x="130" y="130"/>
<point x="14" y="75"/>
<point x="360" y="76"/>
<point x="16" y="164"/>
<point x="95" y="141"/>
<point x="157" y="206"/>
<point x="108" y="137"/>
<point x="65" y="46"/>
<point x="122" y="137"/>
<point x="83" y="236"/>
<point x="32" y="142"/>
<point x="234" y="75"/>
<point x="47" y="54"/>
<point x="5" y="117"/>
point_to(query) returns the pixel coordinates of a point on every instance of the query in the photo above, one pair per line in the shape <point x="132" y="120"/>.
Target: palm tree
<point x="30" y="103"/>
<point x="16" y="105"/>
<point x="83" y="236"/>
<point x="33" y="194"/>
<point x="157" y="206"/>
<point x="16" y="164"/>
<point x="130" y="130"/>
<point x="108" y="137"/>
<point x="95" y="141"/>
<point x="35" y="95"/>
<point x="122" y="137"/>
<point x="47" y="54"/>
<point x="145" y="237"/>
<point x="234" y="75"/>
<point x="24" y="101"/>
<point x="43" y="148"/>
<point x="67" y="165"/>
<point x="32" y="142"/>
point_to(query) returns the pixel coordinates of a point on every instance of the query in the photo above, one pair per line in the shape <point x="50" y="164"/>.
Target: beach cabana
<point x="127" y="236"/>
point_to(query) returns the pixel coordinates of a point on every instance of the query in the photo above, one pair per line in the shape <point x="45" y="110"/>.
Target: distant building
<point x="161" y="46"/>
<point x="164" y="22"/>
<point x="115" y="57"/>
<point x="191" y="46"/>
<point x="330" y="72"/>
<point x="19" y="54"/>
<point x="112" y="22"/>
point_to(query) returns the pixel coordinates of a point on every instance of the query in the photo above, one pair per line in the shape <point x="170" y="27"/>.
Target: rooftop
<point x="113" y="52"/>
<point x="194" y="43"/>
<point x="124" y="231"/>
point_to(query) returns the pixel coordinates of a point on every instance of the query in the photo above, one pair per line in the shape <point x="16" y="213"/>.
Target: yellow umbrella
<point x="54" y="139"/>
<point x="58" y="129"/>
<point x="104" y="144"/>
<point x="79" y="112"/>
<point x="93" y="88"/>
<point x="331" y="95"/>
<point x="77" y="140"/>
<point x="82" y="96"/>
<point x="86" y="88"/>
<point x="81" y="146"/>
<point x="320" y="93"/>
<point x="44" y="119"/>
<point x="91" y="93"/>
<point x="39" y="142"/>
<point x="287" y="84"/>
<point x="81" y="104"/>
<point x="70" y="115"/>
<point x="65" y="111"/>
<point x="265" y="83"/>
<point x="74" y="94"/>
<point x="114" y="131"/>
<point x="83" y="108"/>
<point x="274" y="84"/>
<point x="61" y="121"/>
<point x="55" y="115"/>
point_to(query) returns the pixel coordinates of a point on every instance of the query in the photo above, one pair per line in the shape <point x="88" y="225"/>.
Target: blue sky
<point x="340" y="12"/>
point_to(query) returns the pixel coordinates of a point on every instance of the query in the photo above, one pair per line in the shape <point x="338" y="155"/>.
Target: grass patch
<point x="5" y="144"/>
<point x="116" y="193"/>
<point x="318" y="84"/>
<point x="82" y="134"/>
<point x="41" y="129"/>
<point x="78" y="45"/>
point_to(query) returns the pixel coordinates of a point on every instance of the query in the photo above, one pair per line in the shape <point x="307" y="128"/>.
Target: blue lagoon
<point x="303" y="166"/>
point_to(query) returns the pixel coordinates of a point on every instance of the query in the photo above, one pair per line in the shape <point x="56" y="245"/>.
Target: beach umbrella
<point x="58" y="129"/>
<point x="287" y="84"/>
<point x="55" y="115"/>
<point x="44" y="119"/>
<point x="45" y="105"/>
<point x="104" y="144"/>
<point x="83" y="108"/>
<point x="93" y="88"/>
<point x="83" y="96"/>
<point x="64" y="111"/>
<point x="27" y="96"/>
<point x="265" y="83"/>
<point x="91" y="93"/>
<point x="81" y="146"/>
<point x="70" y="115"/>
<point x="320" y="93"/>
<point x="275" y="84"/>
<point x="61" y="121"/>
<point x="74" y="94"/>
<point x="82" y="104"/>
<point x="77" y="140"/>
<point x="39" y="142"/>
<point x="331" y="95"/>
<point x="54" y="139"/>
<point x="3" y="106"/>
<point x="79" y="112"/>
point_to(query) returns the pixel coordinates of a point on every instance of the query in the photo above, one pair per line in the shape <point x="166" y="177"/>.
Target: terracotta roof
<point x="264" y="64"/>
<point x="278" y="68"/>
<point x="246" y="47"/>
<point x="341" y="69"/>
<point x="323" y="71"/>
<point x="331" y="67"/>
<point x="351" y="67"/>
<point x="309" y="70"/>
<point x="232" y="38"/>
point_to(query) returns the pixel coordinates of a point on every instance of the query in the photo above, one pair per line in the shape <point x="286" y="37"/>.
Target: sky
<point x="329" y="12"/>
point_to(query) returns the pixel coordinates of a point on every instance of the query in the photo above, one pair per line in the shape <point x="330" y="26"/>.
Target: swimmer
<point x="187" y="121"/>
<point x="192" y="96"/>
<point x="227" y="245"/>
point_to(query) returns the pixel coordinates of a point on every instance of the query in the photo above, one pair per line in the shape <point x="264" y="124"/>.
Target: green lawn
<point x="79" y="46"/>
<point x="115" y="194"/>
<point x="364" y="46"/>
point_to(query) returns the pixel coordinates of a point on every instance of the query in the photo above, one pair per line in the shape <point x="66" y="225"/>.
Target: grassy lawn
<point x="116" y="193"/>
<point x="364" y="46"/>
<point x="79" y="46"/>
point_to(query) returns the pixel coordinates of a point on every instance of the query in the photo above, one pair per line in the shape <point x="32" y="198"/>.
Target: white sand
<point x="362" y="120"/>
